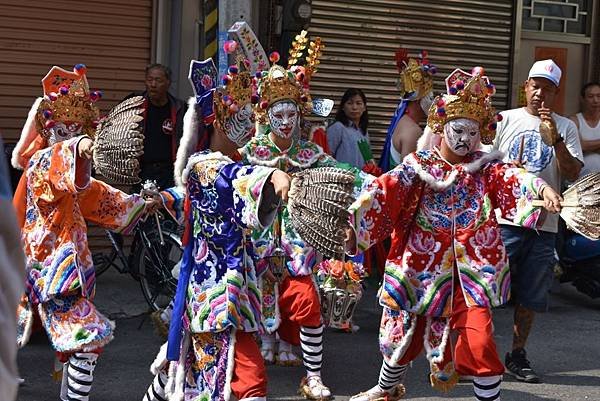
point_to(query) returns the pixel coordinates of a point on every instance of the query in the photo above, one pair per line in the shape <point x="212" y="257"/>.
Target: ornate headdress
<point x="469" y="96"/>
<point x="416" y="75"/>
<point x="292" y="83"/>
<point x="67" y="98"/>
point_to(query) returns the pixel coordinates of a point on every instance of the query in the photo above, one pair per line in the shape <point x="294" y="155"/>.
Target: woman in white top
<point x="588" y="123"/>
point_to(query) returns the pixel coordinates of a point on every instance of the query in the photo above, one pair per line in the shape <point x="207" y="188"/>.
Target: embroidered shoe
<point x="377" y="394"/>
<point x="268" y="353"/>
<point x="518" y="366"/>
<point x="312" y="388"/>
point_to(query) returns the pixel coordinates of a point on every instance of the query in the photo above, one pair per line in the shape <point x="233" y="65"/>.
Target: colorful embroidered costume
<point x="217" y="291"/>
<point x="55" y="199"/>
<point x="447" y="264"/>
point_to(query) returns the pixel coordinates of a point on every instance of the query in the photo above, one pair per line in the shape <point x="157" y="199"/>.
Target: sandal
<point x="268" y="353"/>
<point x="377" y="394"/>
<point x="312" y="388"/>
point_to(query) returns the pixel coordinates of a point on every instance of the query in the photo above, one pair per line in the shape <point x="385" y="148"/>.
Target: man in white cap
<point x="547" y="145"/>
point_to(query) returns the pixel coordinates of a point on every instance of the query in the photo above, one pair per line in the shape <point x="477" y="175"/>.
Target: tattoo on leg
<point x="523" y="320"/>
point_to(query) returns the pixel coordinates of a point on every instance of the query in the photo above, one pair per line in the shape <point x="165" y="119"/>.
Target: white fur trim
<point x="198" y="158"/>
<point x="179" y="390"/>
<point x="28" y="135"/>
<point x="161" y="362"/>
<point x="469" y="168"/>
<point x="28" y="326"/>
<point x="405" y="343"/>
<point x="441" y="347"/>
<point x="188" y="143"/>
<point x="429" y="140"/>
<point x="230" y="365"/>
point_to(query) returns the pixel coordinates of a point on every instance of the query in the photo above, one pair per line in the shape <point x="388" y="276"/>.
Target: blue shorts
<point x="531" y="256"/>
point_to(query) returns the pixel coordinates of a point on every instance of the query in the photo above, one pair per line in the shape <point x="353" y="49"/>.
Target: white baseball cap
<point x="546" y="69"/>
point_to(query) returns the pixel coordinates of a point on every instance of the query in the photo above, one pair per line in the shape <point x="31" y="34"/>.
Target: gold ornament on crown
<point x="416" y="75"/>
<point x="469" y="96"/>
<point x="236" y="93"/>
<point x="67" y="99"/>
<point x="292" y="83"/>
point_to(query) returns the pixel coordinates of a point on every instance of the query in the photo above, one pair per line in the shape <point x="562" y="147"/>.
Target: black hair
<point x="343" y="118"/>
<point x="156" y="66"/>
<point x="587" y="86"/>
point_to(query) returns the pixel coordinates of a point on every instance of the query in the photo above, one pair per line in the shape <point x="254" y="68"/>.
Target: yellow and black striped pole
<point x="211" y="28"/>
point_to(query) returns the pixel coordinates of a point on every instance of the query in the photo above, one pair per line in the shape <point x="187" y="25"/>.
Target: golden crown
<point x="469" y="96"/>
<point x="67" y="99"/>
<point x="416" y="75"/>
<point x="292" y="83"/>
<point x="239" y="89"/>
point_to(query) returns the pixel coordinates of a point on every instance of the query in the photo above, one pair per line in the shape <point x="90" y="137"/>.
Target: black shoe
<point x="518" y="366"/>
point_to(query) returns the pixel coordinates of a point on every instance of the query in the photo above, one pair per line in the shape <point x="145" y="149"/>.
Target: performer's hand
<point x="85" y="148"/>
<point x="350" y="240"/>
<point x="551" y="199"/>
<point x="281" y="184"/>
<point x="152" y="205"/>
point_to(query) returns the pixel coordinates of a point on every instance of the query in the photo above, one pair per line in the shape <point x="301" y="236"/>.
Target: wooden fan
<point x="581" y="206"/>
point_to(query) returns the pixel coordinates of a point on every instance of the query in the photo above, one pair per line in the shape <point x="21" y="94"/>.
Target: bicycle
<point x="154" y="254"/>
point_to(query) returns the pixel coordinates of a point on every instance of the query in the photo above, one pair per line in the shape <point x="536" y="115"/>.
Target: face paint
<point x="462" y="136"/>
<point x="425" y="102"/>
<point x="62" y="131"/>
<point x="284" y="119"/>
<point x="239" y="128"/>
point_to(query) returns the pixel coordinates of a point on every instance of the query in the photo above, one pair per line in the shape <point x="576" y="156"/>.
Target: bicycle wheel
<point x="155" y="265"/>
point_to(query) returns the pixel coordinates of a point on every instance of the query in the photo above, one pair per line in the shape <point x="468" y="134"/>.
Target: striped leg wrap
<point x="311" y="342"/>
<point x="389" y="376"/>
<point x="487" y="388"/>
<point x="80" y="375"/>
<point x="156" y="391"/>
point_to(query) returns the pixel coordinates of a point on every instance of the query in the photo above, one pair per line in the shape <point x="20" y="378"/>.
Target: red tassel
<point x="401" y="58"/>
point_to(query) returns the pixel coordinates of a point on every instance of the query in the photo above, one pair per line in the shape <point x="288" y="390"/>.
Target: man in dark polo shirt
<point x="163" y="126"/>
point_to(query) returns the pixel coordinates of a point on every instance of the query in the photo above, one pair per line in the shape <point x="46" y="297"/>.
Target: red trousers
<point x="249" y="378"/>
<point x="474" y="349"/>
<point x="299" y="305"/>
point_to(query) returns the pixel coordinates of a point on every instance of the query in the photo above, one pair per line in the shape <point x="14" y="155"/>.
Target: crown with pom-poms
<point x="292" y="83"/>
<point x="416" y="74"/>
<point x="67" y="99"/>
<point x="238" y="87"/>
<point x="469" y="96"/>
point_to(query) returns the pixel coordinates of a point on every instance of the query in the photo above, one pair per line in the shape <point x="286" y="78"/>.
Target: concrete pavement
<point x="564" y="349"/>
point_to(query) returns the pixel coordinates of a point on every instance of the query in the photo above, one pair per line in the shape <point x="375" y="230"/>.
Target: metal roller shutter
<point x="361" y="36"/>
<point x="112" y="37"/>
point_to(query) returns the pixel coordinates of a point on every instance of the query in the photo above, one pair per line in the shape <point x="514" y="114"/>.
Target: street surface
<point x="564" y="349"/>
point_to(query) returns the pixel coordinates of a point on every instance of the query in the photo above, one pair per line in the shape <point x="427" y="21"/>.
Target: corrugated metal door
<point x="112" y="37"/>
<point x="361" y="36"/>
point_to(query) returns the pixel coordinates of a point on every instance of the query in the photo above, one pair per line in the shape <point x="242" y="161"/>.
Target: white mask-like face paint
<point x="425" y="102"/>
<point x="63" y="131"/>
<point x="284" y="119"/>
<point x="239" y="128"/>
<point x="462" y="136"/>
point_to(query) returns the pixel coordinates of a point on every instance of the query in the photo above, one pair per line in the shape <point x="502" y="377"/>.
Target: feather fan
<point x="119" y="142"/>
<point x="318" y="204"/>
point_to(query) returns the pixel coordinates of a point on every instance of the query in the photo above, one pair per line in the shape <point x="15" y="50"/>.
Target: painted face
<point x="284" y="118"/>
<point x="63" y="131"/>
<point x="425" y="102"/>
<point x="239" y="128"/>
<point x="462" y="136"/>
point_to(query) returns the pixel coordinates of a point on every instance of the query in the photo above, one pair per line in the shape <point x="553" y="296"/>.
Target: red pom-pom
<point x="460" y="85"/>
<point x="52" y="96"/>
<point x="304" y="98"/>
<point x="499" y="117"/>
<point x="233" y="108"/>
<point x="230" y="46"/>
<point x="264" y="104"/>
<point x="64" y="90"/>
<point x="478" y="71"/>
<point x="47" y="114"/>
<point x="49" y="124"/>
<point x="274" y="57"/>
<point x="254" y="98"/>
<point x="441" y="102"/>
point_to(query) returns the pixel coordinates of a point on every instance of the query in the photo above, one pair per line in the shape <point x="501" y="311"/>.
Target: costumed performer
<point x="55" y="199"/>
<point x="447" y="266"/>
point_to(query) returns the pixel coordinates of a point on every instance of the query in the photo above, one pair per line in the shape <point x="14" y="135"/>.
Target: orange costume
<point x="55" y="198"/>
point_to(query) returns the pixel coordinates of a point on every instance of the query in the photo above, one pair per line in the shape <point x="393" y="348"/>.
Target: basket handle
<point x="540" y="203"/>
